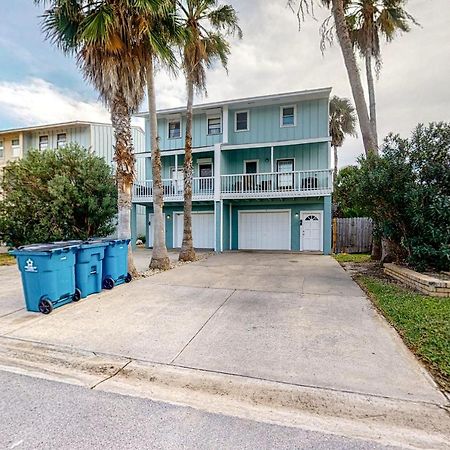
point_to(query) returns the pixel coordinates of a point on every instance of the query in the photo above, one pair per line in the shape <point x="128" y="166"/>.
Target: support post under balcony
<point x="217" y="170"/>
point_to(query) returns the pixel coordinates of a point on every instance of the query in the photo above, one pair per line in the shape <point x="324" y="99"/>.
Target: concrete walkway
<point x="290" y="318"/>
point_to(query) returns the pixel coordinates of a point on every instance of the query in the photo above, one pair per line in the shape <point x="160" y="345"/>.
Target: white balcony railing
<point x="173" y="189"/>
<point x="302" y="183"/>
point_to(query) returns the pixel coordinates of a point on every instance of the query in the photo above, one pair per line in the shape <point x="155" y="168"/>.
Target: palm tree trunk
<point x="124" y="158"/>
<point x="371" y="89"/>
<point x="160" y="258"/>
<point x="353" y="76"/>
<point x="187" y="252"/>
<point x="335" y="162"/>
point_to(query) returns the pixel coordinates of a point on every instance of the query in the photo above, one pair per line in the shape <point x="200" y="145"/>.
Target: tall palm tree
<point x="342" y="122"/>
<point x="205" y="26"/>
<point x="369" y="20"/>
<point x="338" y="8"/>
<point x="162" y="32"/>
<point x="107" y="38"/>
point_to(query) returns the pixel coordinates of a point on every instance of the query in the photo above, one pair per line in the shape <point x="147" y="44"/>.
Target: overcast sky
<point x="40" y="85"/>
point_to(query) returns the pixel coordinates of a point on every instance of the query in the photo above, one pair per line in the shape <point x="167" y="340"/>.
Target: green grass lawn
<point x="422" y="321"/>
<point x="352" y="258"/>
<point x="6" y="260"/>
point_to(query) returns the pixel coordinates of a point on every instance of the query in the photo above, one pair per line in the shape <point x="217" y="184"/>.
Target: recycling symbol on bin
<point x="29" y="266"/>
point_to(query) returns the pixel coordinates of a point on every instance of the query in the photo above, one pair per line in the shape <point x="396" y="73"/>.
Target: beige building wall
<point x="8" y="152"/>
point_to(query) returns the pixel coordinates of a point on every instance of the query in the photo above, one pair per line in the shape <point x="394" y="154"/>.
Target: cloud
<point x="36" y="101"/>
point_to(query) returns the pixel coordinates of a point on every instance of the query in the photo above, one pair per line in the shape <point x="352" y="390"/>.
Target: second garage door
<point x="264" y="230"/>
<point x="202" y="229"/>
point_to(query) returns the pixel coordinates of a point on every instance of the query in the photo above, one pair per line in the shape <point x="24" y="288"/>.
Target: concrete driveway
<point x="291" y="318"/>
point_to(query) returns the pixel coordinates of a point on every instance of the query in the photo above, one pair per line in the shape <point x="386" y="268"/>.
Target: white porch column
<point x="271" y="159"/>
<point x="225" y="124"/>
<point x="217" y="170"/>
<point x="176" y="165"/>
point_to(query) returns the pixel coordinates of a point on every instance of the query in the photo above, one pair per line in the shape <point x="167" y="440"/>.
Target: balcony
<point x="302" y="183"/>
<point x="202" y="189"/>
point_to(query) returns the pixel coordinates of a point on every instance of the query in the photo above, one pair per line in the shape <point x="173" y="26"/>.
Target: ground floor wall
<point x="226" y="220"/>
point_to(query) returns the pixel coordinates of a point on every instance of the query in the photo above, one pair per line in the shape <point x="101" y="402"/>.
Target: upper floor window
<point x="241" y="121"/>
<point x="61" y="140"/>
<point x="15" y="145"/>
<point x="174" y="129"/>
<point x="288" y="116"/>
<point x="2" y="150"/>
<point x="43" y="142"/>
<point x="214" y="125"/>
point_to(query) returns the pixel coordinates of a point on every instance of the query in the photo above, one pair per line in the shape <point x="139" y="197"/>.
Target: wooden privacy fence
<point x="352" y="235"/>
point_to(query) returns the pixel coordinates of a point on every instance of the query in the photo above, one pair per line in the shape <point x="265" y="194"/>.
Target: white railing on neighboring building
<point x="173" y="189"/>
<point x="302" y="183"/>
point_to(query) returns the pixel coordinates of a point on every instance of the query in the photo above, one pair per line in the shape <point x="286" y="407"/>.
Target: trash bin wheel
<point x="128" y="278"/>
<point x="77" y="295"/>
<point x="45" y="305"/>
<point x="108" y="283"/>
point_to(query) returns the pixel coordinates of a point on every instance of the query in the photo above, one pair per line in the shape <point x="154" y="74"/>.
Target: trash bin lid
<point x="95" y="242"/>
<point x="38" y="248"/>
<point x="68" y="243"/>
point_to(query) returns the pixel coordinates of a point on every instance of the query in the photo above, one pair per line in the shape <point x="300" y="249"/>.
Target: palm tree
<point x="205" y="26"/>
<point x="342" y="123"/>
<point x="162" y="32"/>
<point x="369" y="20"/>
<point x="338" y="8"/>
<point x="107" y="38"/>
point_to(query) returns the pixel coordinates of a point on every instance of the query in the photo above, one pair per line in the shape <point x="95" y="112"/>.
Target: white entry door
<point x="264" y="230"/>
<point x="150" y="228"/>
<point x="202" y="229"/>
<point x="311" y="231"/>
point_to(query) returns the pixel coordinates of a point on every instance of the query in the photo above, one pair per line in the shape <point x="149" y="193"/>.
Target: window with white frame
<point x="241" y="121"/>
<point x="2" y="149"/>
<point x="15" y="146"/>
<point x="61" y="140"/>
<point x="214" y="125"/>
<point x="174" y="129"/>
<point x="43" y="142"/>
<point x="288" y="116"/>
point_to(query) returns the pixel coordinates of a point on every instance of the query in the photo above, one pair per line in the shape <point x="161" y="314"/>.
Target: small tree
<point x="407" y="193"/>
<point x="57" y="194"/>
<point x="344" y="193"/>
<point x="342" y="122"/>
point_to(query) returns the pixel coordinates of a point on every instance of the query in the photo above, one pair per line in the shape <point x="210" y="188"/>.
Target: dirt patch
<point x="173" y="264"/>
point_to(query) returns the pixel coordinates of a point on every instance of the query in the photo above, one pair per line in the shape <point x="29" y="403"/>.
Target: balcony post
<point x="271" y="159"/>
<point x="217" y="171"/>
<point x="225" y="124"/>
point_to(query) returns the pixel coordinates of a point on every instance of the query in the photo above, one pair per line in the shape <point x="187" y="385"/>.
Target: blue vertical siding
<point x="306" y="157"/>
<point x="264" y="123"/>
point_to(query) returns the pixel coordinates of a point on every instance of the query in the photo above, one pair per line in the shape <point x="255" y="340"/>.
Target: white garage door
<point x="202" y="229"/>
<point x="264" y="230"/>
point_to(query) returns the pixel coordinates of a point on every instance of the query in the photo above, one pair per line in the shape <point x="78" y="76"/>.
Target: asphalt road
<point x="42" y="414"/>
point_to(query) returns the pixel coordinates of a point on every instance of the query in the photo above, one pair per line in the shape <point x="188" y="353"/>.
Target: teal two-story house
<point x="262" y="173"/>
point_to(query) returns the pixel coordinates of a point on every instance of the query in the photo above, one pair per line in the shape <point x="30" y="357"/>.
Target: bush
<point x="56" y="195"/>
<point x="407" y="192"/>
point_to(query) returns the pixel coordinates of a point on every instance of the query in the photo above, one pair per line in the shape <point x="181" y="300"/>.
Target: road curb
<point x="385" y="420"/>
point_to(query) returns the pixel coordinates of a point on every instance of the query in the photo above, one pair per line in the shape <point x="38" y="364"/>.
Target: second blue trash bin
<point x="48" y="275"/>
<point x="89" y="267"/>
<point x="115" y="264"/>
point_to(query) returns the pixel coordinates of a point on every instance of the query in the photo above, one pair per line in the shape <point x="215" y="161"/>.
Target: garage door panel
<point x="202" y="229"/>
<point x="264" y="230"/>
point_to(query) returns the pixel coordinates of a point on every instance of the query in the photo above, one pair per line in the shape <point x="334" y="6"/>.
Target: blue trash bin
<point x="115" y="263"/>
<point x="48" y="275"/>
<point x="89" y="267"/>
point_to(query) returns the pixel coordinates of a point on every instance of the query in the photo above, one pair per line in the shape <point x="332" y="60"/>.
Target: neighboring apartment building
<point x="98" y="137"/>
<point x="262" y="173"/>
